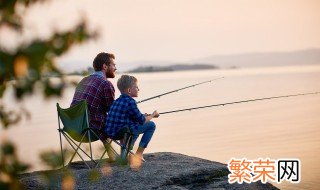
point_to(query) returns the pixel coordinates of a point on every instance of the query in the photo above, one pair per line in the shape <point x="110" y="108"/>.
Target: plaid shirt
<point x="99" y="94"/>
<point x="123" y="112"/>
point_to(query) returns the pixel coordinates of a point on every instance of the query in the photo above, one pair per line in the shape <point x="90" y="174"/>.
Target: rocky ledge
<point x="160" y="171"/>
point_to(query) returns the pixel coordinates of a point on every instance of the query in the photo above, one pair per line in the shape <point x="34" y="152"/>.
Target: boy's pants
<point x="147" y="130"/>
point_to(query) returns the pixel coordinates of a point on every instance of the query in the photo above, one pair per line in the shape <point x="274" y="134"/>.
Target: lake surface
<point x="278" y="128"/>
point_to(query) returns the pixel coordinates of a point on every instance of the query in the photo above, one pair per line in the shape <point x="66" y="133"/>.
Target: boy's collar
<point x="124" y="94"/>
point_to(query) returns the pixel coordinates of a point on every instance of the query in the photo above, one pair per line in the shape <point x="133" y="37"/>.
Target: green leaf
<point x="7" y="148"/>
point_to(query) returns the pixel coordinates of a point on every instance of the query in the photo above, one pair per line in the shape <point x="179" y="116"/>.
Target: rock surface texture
<point x="160" y="171"/>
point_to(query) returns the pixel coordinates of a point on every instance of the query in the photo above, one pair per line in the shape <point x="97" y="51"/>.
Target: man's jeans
<point x="147" y="130"/>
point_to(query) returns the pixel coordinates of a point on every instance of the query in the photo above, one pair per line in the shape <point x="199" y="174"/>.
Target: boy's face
<point x="133" y="90"/>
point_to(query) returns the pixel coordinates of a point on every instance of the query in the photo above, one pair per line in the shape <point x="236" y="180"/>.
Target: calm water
<point x="280" y="128"/>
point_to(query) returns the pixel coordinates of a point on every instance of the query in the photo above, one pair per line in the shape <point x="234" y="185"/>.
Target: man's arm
<point x="108" y="94"/>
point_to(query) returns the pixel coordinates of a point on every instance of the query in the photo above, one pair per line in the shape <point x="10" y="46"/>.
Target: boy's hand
<point x="148" y="117"/>
<point x="155" y="114"/>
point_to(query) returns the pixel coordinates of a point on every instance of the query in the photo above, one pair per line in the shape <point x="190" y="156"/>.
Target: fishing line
<point x="238" y="102"/>
<point x="177" y="90"/>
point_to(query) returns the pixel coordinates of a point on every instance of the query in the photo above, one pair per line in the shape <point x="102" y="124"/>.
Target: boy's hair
<point x="102" y="58"/>
<point x="125" y="82"/>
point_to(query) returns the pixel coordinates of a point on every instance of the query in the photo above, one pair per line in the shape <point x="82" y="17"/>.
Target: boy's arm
<point x="134" y="113"/>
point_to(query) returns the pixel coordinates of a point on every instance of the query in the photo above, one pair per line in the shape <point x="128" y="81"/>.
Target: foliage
<point x="33" y="62"/>
<point x="53" y="158"/>
<point x="10" y="167"/>
<point x="53" y="177"/>
<point x="26" y="67"/>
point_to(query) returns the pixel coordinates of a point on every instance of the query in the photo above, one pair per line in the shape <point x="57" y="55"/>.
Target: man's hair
<point x="102" y="58"/>
<point x="125" y="82"/>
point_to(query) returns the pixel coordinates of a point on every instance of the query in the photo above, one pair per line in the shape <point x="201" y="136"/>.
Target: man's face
<point x="111" y="69"/>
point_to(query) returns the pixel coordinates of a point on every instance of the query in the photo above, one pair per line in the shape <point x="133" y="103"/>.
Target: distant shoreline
<point x="169" y="68"/>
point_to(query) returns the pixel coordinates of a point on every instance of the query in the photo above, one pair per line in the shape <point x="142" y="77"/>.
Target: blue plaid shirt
<point x="123" y="112"/>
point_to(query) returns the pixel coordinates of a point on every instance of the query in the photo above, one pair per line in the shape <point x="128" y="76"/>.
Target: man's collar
<point x="99" y="73"/>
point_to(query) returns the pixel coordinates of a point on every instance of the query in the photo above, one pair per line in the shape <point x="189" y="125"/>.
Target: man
<point x="98" y="92"/>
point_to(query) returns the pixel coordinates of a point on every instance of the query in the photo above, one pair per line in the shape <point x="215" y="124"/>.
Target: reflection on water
<point x="280" y="128"/>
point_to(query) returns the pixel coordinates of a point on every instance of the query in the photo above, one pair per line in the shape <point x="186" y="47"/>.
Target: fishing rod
<point x="158" y="96"/>
<point x="237" y="102"/>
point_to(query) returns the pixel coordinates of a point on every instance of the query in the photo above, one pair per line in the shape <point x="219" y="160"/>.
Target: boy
<point x="124" y="112"/>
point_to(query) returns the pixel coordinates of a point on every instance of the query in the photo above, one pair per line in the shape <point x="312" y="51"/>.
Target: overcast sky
<point x="180" y="30"/>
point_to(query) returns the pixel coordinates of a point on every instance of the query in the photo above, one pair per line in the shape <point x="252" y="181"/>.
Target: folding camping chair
<point x="76" y="130"/>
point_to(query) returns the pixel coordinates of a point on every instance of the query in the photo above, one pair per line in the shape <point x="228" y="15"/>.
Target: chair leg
<point x="121" y="146"/>
<point x="125" y="148"/>
<point x="105" y="151"/>
<point x="62" y="157"/>
<point x="90" y="145"/>
<point x="76" y="150"/>
<point x="114" y="151"/>
<point x="78" y="146"/>
<point x="106" y="146"/>
<point x="110" y="150"/>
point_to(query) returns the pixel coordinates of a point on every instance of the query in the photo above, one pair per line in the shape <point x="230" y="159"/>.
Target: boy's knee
<point x="152" y="125"/>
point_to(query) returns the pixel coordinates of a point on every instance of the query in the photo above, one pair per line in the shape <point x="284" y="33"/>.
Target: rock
<point x="160" y="171"/>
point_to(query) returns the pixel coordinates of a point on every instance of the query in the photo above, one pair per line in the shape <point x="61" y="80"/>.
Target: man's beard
<point x="110" y="74"/>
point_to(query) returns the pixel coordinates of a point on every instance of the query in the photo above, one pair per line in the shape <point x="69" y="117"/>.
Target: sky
<point x="178" y="30"/>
